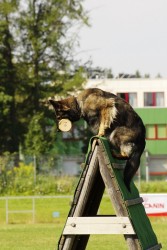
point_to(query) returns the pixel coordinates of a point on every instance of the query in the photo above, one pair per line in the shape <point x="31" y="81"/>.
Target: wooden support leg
<point x="87" y="204"/>
<point x="115" y="196"/>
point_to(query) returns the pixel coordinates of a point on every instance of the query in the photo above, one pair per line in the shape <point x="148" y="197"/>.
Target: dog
<point x="110" y="116"/>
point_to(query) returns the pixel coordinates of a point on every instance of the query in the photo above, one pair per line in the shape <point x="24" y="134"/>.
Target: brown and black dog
<point x="110" y="116"/>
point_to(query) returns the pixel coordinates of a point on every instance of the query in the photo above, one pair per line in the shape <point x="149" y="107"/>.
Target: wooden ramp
<point x="102" y="171"/>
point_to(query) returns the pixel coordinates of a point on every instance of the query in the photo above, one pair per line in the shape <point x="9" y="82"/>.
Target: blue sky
<point x="126" y="35"/>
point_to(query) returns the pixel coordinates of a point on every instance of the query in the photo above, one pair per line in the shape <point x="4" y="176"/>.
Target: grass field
<point x="45" y="237"/>
<point x="45" y="233"/>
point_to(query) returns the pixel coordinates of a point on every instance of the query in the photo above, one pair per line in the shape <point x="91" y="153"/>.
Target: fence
<point x="54" y="209"/>
<point x="41" y="208"/>
<point x="61" y="165"/>
<point x="44" y="164"/>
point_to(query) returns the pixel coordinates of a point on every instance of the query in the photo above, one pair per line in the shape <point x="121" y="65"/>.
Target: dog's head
<point x="67" y="109"/>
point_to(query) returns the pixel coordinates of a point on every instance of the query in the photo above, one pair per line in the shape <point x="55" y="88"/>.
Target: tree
<point x="158" y="75"/>
<point x="36" y="138"/>
<point x="137" y="74"/>
<point x="46" y="44"/>
<point x="8" y="79"/>
<point x="47" y="50"/>
<point x="147" y="76"/>
<point x="37" y="43"/>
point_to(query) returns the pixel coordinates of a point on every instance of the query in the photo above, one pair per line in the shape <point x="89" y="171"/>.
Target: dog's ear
<point x="58" y="105"/>
<point x="54" y="103"/>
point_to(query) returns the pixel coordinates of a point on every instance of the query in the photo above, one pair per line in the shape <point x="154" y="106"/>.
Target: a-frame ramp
<point x="102" y="170"/>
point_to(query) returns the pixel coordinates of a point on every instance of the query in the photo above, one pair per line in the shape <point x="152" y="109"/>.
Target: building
<point x="149" y="98"/>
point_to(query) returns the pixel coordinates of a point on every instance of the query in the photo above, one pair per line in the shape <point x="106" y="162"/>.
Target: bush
<point x="21" y="181"/>
<point x="18" y="180"/>
<point x="153" y="187"/>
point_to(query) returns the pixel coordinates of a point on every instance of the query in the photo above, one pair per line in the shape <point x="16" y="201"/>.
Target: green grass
<point x="44" y="234"/>
<point x="44" y="209"/>
<point x="33" y="237"/>
<point x="114" y="242"/>
<point x="45" y="237"/>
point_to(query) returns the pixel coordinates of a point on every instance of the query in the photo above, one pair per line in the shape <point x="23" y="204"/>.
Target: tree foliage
<point x="8" y="79"/>
<point x="37" y="41"/>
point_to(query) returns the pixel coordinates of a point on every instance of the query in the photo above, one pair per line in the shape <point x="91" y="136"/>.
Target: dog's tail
<point x="131" y="167"/>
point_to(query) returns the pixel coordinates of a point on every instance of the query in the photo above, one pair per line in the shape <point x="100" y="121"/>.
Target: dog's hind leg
<point x="132" y="166"/>
<point x="122" y="139"/>
<point x="130" y="146"/>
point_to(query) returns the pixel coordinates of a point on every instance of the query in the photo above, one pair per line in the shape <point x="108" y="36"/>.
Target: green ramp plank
<point x="137" y="214"/>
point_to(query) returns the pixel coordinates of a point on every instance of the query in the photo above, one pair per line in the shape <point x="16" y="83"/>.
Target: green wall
<point x="154" y="116"/>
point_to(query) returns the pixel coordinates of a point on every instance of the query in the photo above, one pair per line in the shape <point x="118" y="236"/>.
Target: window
<point x="133" y="99"/>
<point x="160" y="99"/>
<point x="156" y="132"/>
<point x="129" y="97"/>
<point x="154" y="99"/>
<point x="150" y="131"/>
<point x="162" y="131"/>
